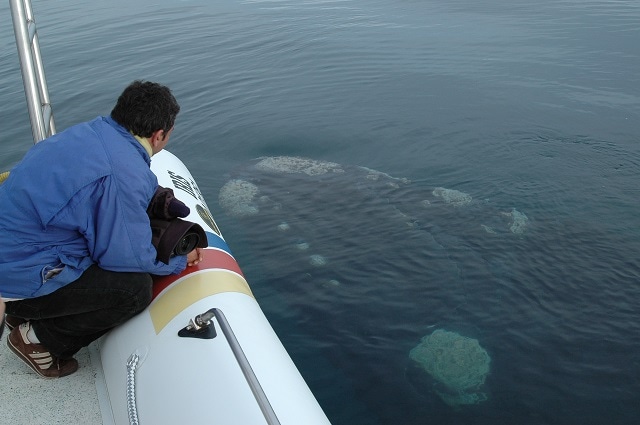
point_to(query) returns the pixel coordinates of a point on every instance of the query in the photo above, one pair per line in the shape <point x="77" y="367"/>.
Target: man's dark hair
<point x="145" y="107"/>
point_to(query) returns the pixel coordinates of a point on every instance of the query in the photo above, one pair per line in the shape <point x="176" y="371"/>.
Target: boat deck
<point x="26" y="398"/>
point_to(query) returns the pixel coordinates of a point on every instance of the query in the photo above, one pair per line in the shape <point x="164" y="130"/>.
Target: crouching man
<point x="75" y="238"/>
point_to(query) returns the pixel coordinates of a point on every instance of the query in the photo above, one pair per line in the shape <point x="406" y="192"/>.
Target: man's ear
<point x="156" y="136"/>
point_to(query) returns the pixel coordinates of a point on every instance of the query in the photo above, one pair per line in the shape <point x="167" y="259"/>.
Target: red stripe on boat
<point x="211" y="259"/>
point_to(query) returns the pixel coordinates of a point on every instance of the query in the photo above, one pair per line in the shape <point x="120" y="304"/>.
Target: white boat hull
<point x="184" y="380"/>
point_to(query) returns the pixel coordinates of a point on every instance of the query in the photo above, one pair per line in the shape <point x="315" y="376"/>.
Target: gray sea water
<point x="530" y="109"/>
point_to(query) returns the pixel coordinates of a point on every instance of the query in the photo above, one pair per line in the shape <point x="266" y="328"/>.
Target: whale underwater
<point x="368" y="262"/>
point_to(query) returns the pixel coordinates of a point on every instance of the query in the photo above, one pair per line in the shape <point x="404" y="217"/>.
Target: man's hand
<point x="194" y="257"/>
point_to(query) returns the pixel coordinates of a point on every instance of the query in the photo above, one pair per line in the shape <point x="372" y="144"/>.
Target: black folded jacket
<point x="165" y="205"/>
<point x="170" y="234"/>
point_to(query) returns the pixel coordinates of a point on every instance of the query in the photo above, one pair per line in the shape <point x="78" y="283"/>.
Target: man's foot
<point x="37" y="357"/>
<point x="13" y="321"/>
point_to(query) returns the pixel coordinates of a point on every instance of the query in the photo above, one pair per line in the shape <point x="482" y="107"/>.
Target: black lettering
<point x="183" y="184"/>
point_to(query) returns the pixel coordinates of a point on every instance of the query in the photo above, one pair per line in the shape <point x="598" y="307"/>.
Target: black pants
<point x="79" y="313"/>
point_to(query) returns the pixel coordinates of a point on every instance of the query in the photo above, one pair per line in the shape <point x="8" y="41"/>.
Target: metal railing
<point x="203" y="321"/>
<point x="35" y="83"/>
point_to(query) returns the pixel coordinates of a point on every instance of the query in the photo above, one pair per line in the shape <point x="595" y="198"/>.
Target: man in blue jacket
<point x="75" y="240"/>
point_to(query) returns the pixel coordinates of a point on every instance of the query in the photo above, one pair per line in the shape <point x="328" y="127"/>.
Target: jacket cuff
<point x="179" y="262"/>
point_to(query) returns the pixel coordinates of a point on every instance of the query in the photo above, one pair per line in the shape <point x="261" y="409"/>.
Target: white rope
<point x="132" y="409"/>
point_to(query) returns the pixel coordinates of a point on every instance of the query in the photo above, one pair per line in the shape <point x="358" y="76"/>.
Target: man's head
<point x="148" y="110"/>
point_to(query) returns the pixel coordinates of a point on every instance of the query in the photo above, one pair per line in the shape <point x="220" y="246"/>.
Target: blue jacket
<point x="77" y="198"/>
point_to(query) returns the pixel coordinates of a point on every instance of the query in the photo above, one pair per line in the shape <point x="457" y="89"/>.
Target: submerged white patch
<point x="302" y="245"/>
<point x="237" y="197"/>
<point x="488" y="229"/>
<point x="290" y="164"/>
<point x="284" y="226"/>
<point x="376" y="175"/>
<point x="519" y="221"/>
<point x="452" y="196"/>
<point x="317" y="260"/>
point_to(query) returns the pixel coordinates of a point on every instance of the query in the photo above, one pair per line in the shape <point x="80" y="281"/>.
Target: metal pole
<point x="247" y="370"/>
<point x="33" y="78"/>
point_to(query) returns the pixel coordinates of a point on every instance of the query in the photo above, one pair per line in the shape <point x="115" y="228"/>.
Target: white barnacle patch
<point x="284" y="226"/>
<point x="519" y="221"/>
<point x="302" y="245"/>
<point x="290" y="164"/>
<point x="237" y="197"/>
<point x="452" y="196"/>
<point x="488" y="229"/>
<point x="317" y="260"/>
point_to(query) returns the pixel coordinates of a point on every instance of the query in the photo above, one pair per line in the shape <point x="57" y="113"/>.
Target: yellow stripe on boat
<point x="192" y="288"/>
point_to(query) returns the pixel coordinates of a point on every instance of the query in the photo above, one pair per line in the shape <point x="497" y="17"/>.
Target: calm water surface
<point x="532" y="105"/>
